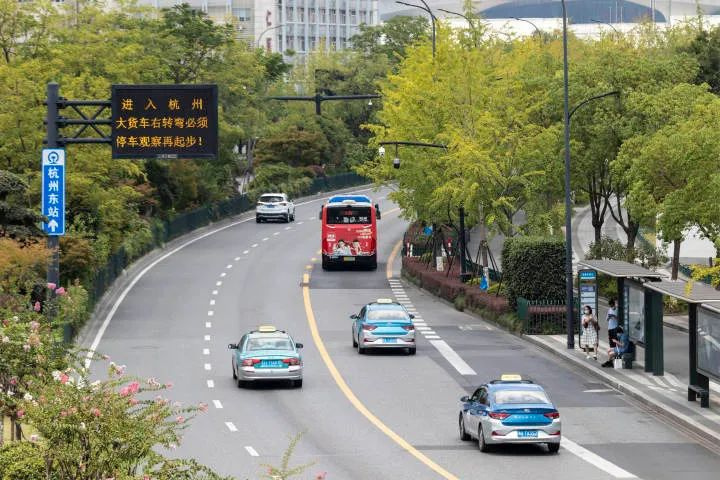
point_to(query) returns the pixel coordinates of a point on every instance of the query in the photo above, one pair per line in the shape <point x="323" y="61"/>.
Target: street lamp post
<point x="427" y="9"/>
<point x="537" y="30"/>
<point x="318" y="99"/>
<point x="267" y="30"/>
<point x="469" y="20"/>
<point x="606" y="23"/>
<point x="569" y="315"/>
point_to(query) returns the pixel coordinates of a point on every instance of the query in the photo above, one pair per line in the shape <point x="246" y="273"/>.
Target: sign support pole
<point x="53" y="241"/>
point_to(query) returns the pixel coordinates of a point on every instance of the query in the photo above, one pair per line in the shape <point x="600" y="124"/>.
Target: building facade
<point x="300" y="26"/>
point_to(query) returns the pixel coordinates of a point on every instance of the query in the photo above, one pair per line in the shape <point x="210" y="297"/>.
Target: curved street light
<point x="605" y="23"/>
<point x="267" y="30"/>
<point x="537" y="30"/>
<point x="433" y="18"/>
<point x="469" y="20"/>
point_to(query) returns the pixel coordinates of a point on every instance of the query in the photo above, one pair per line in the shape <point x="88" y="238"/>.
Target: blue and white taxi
<point x="267" y="354"/>
<point x="510" y="410"/>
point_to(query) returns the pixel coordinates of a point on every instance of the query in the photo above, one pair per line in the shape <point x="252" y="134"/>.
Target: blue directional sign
<point x="53" y="190"/>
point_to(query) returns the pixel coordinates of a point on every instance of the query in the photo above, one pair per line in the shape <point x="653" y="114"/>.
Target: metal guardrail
<point x="543" y="317"/>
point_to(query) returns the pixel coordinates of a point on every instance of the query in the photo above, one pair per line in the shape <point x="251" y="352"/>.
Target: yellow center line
<point x="345" y="389"/>
<point x="391" y="259"/>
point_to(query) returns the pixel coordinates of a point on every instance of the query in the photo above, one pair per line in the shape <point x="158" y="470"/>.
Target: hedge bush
<point x="21" y="461"/>
<point x="534" y="268"/>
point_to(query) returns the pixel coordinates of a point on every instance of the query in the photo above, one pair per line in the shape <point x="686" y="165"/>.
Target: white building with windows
<point x="300" y="26"/>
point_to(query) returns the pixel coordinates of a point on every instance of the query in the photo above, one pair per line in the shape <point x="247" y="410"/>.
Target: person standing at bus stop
<point x="589" y="329"/>
<point x="612" y="322"/>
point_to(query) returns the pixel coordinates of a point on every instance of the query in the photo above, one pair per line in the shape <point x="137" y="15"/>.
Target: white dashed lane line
<point x="210" y="313"/>
<point x="218" y="283"/>
<point x="208" y="366"/>
<point x="276" y="233"/>
<point x="252" y="451"/>
<point x="229" y="265"/>
<point x="208" y="324"/>
<point x="231" y="426"/>
<point x="206" y="351"/>
<point x="254" y="245"/>
<point x="212" y="302"/>
<point x="214" y="292"/>
<point x="265" y="239"/>
<point x="300" y="223"/>
<point x="207" y="338"/>
<point x="223" y="274"/>
<point x="245" y="252"/>
<point x="288" y="228"/>
<point x="210" y="384"/>
<point x="238" y="258"/>
<point x="217" y="404"/>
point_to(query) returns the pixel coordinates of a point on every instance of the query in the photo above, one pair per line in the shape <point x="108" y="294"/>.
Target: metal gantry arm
<point x="469" y="20"/>
<point x="605" y="23"/>
<point x="318" y="99"/>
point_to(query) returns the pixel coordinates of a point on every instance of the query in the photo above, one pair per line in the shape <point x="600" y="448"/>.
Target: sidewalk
<point x="666" y="395"/>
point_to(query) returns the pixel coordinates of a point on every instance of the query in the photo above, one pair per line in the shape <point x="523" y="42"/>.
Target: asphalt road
<point x="376" y="416"/>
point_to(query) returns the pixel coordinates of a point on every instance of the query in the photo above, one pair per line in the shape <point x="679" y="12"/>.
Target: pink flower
<point x="34" y="437"/>
<point x="133" y="401"/>
<point x="95" y="411"/>
<point x="169" y="385"/>
<point x="37" y="306"/>
<point x="321" y="476"/>
<point x="64" y="378"/>
<point x="203" y="407"/>
<point x="51" y="286"/>
<point x="180" y="419"/>
<point x="60" y="291"/>
<point x="5" y="322"/>
<point x="134" y="387"/>
<point x="13" y="381"/>
<point x="20" y="413"/>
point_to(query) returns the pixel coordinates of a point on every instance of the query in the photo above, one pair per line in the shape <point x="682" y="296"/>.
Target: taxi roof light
<point x="267" y="329"/>
<point x="384" y="300"/>
<point x="510" y="377"/>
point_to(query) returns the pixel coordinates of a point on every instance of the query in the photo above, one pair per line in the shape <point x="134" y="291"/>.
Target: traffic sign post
<point x="53" y="190"/>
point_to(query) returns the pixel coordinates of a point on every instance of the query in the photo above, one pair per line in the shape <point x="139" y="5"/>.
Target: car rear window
<point x="271" y="199"/>
<point x="255" y="344"/>
<point x="386" y="315"/>
<point x="345" y="215"/>
<point x="520" y="396"/>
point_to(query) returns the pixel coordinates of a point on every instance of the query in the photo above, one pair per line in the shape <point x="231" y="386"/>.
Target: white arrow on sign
<point x="53" y="225"/>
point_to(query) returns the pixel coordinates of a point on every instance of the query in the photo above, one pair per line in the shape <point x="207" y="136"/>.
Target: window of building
<point x="242" y="14"/>
<point x="342" y="16"/>
<point x="290" y="14"/>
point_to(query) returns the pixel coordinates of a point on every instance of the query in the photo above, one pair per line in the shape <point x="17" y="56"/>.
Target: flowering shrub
<point x="28" y="353"/>
<point x="111" y="428"/>
<point x="72" y="305"/>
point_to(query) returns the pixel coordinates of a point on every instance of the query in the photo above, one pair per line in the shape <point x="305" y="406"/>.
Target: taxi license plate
<point x="527" y="433"/>
<point x="348" y="259"/>
<point x="388" y="340"/>
<point x="271" y="364"/>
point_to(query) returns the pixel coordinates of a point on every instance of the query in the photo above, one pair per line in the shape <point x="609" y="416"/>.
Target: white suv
<point x="274" y="206"/>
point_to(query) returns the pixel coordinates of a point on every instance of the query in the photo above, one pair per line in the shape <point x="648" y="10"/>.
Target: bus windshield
<point x="348" y="215"/>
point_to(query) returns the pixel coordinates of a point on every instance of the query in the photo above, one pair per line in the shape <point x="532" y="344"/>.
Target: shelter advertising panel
<point x="635" y="312"/>
<point x="164" y="121"/>
<point x="708" y="342"/>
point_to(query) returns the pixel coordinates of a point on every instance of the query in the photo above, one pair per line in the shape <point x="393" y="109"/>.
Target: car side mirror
<point x="354" y="316"/>
<point x="411" y="316"/>
<point x="320" y="215"/>
<point x="232" y="346"/>
<point x="377" y="211"/>
<point x="464" y="399"/>
<point x="298" y="345"/>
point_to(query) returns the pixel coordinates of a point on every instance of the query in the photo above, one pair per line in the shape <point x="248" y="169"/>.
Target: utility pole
<point x="53" y="241"/>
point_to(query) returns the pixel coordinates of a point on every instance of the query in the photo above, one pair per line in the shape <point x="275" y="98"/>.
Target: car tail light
<point x="249" y="362"/>
<point x="368" y="326"/>
<point x="498" y="415"/>
<point x="409" y="328"/>
<point x="284" y="204"/>
<point x="556" y="434"/>
<point x="291" y="361"/>
<point x="552" y="415"/>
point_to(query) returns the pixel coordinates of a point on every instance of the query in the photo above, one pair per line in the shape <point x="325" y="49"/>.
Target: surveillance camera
<point x="381" y="151"/>
<point x="396" y="162"/>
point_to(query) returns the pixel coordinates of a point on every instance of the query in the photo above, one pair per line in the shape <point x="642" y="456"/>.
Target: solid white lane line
<point x="218" y="283"/>
<point x="208" y="324"/>
<point x="217" y="404"/>
<point x="231" y="426"/>
<point x="206" y="351"/>
<point x="210" y="384"/>
<point x="210" y="313"/>
<point x="595" y="460"/>
<point x="207" y="338"/>
<point x="452" y="357"/>
<point x="214" y="292"/>
<point x="208" y="366"/>
<point x="245" y="252"/>
<point x="252" y="451"/>
<point x="223" y="274"/>
<point x="212" y="302"/>
<point x="253" y="245"/>
<point x="432" y="337"/>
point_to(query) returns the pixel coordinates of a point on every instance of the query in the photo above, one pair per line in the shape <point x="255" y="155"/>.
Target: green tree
<point x="392" y="38"/>
<point x="16" y="220"/>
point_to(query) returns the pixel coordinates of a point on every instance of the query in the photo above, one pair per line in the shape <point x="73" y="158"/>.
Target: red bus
<point x="349" y="232"/>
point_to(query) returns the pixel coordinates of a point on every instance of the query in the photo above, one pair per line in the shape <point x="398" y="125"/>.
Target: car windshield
<point x="255" y="344"/>
<point x="520" y="396"/>
<point x="343" y="215"/>
<point x="387" y="315"/>
<point x="271" y="198"/>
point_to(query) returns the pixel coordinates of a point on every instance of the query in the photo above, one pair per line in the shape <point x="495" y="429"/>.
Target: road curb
<point x="665" y="410"/>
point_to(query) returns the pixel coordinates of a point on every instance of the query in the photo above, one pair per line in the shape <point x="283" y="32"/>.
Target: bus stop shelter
<point x="703" y="331"/>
